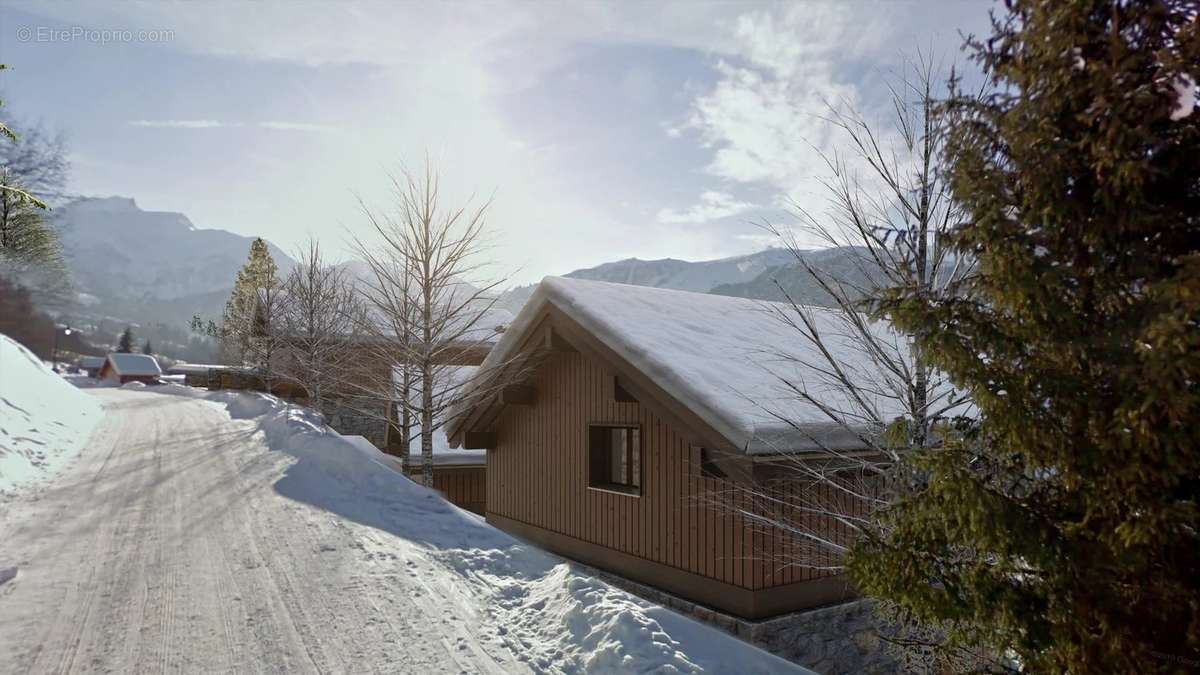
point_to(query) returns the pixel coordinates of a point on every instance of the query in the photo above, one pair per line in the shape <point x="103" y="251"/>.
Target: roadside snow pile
<point x="44" y="420"/>
<point x="546" y="611"/>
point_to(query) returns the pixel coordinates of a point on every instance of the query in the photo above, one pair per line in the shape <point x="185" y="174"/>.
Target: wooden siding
<point x="537" y="475"/>
<point x="464" y="486"/>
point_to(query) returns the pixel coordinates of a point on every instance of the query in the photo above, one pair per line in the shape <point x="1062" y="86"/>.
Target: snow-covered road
<point x="240" y="534"/>
<point x="165" y="549"/>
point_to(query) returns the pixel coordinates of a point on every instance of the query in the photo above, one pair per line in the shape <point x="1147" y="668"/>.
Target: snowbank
<point x="545" y="610"/>
<point x="44" y="420"/>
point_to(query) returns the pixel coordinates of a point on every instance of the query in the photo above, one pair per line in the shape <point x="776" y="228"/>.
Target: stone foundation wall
<point x="359" y="417"/>
<point x="837" y="640"/>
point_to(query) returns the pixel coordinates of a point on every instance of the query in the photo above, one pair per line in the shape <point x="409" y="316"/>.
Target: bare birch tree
<point x="320" y="317"/>
<point x="424" y="312"/>
<point x="890" y="206"/>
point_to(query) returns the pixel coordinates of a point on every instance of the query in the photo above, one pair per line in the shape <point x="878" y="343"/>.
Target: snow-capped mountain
<point x="757" y="275"/>
<point x="687" y="276"/>
<point x="118" y="251"/>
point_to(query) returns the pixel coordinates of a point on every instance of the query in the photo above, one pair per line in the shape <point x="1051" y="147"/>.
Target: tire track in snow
<point x="102" y="548"/>
<point x="168" y="547"/>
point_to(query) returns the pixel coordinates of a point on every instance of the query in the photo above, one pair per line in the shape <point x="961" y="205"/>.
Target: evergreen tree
<point x="148" y="348"/>
<point x="125" y="344"/>
<point x="242" y="312"/>
<point x="7" y="189"/>
<point x="1059" y="530"/>
<point x="25" y="237"/>
<point x="30" y="250"/>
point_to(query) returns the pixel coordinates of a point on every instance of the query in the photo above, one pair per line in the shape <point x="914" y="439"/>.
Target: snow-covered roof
<point x="91" y="361"/>
<point x="724" y="358"/>
<point x="443" y="454"/>
<point x="134" y="364"/>
<point x="193" y="368"/>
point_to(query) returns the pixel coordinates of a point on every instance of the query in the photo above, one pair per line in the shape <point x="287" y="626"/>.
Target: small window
<point x="708" y="465"/>
<point x="616" y="458"/>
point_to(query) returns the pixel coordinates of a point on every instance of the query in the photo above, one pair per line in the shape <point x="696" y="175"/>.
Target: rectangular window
<point x="709" y="468"/>
<point x="616" y="458"/>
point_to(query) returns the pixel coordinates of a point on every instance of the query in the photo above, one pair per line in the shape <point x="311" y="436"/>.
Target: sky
<point x="599" y="130"/>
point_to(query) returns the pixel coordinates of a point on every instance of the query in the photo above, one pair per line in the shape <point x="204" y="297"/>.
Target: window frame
<point x="709" y="467"/>
<point x="633" y="457"/>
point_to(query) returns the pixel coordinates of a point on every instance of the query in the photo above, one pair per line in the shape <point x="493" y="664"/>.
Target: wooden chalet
<point x="636" y="412"/>
<point x="458" y="474"/>
<point x="91" y="365"/>
<point x="123" y="368"/>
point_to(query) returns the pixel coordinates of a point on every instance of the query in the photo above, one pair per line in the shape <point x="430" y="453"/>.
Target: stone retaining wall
<point x="841" y="639"/>
<point x="351" y="418"/>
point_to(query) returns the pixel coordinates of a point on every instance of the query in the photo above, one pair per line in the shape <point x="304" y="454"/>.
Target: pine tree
<point x="30" y="250"/>
<point x="125" y="344"/>
<point x="7" y="189"/>
<point x="1059" y="530"/>
<point x="238" y="321"/>
<point x="148" y="348"/>
<point x="25" y="237"/>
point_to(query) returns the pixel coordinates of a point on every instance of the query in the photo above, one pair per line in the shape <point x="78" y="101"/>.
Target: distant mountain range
<point x="765" y="275"/>
<point x="156" y="267"/>
<point x="849" y="265"/>
<point x="147" y="266"/>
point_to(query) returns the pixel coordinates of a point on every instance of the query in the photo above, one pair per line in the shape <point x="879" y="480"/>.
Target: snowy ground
<point x="236" y="534"/>
<point x="43" y="420"/>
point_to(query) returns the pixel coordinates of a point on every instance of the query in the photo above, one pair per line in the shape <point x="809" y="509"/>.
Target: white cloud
<point x="712" y="206"/>
<point x="298" y="126"/>
<point x="412" y="34"/>
<point x="177" y="124"/>
<point x="765" y="118"/>
<point x="450" y="80"/>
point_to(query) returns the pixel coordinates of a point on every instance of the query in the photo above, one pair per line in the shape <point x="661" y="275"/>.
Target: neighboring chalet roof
<point x="193" y="368"/>
<point x="722" y="358"/>
<point x="134" y="364"/>
<point x="443" y="454"/>
<point x="452" y="381"/>
<point x="89" y="362"/>
<point x="487" y="324"/>
<point x="487" y="321"/>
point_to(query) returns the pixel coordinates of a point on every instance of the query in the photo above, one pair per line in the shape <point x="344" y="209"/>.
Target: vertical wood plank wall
<point x="537" y="475"/>
<point x="464" y="486"/>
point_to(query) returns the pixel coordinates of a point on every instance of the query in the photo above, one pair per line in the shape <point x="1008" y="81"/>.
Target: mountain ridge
<point x="117" y="250"/>
<point x="764" y="275"/>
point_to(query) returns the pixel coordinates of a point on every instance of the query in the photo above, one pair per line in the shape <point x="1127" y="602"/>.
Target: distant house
<point x="459" y="474"/>
<point x="123" y="368"/>
<point x="196" y="374"/>
<point x="91" y="365"/>
<point x="638" y="409"/>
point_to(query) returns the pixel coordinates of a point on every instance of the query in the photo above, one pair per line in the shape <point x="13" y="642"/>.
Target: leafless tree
<point x="320" y="315"/>
<point x="424" y="312"/>
<point x="889" y="205"/>
<point x="37" y="160"/>
<point x="33" y="170"/>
